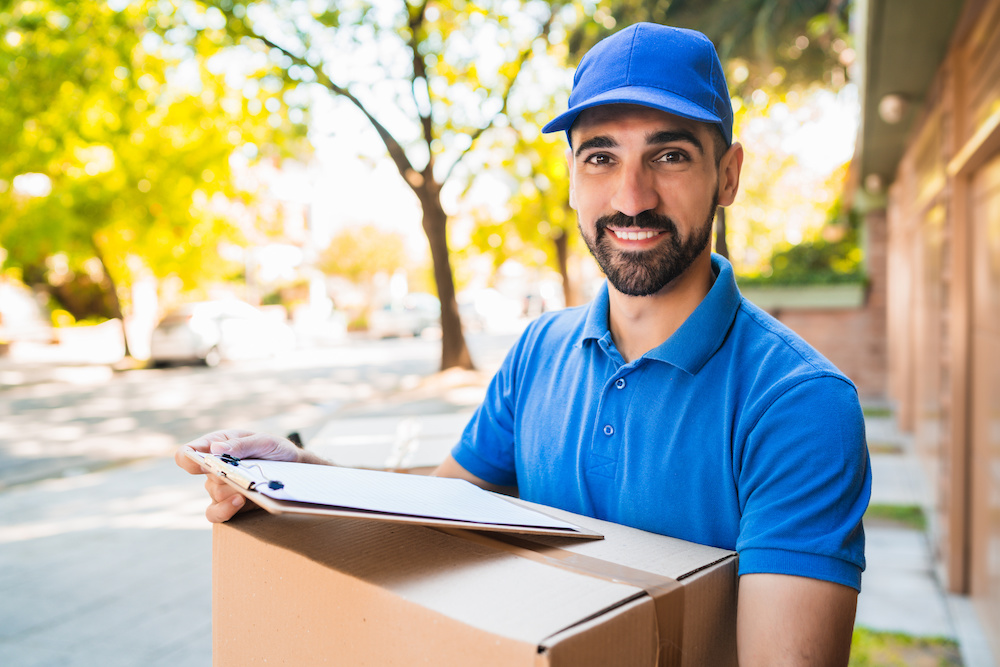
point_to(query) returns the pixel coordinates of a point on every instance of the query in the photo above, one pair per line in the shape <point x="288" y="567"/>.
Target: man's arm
<point x="806" y="478"/>
<point x="452" y="468"/>
<point x="783" y="620"/>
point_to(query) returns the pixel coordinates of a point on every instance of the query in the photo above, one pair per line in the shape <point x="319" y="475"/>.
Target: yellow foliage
<point x="62" y="318"/>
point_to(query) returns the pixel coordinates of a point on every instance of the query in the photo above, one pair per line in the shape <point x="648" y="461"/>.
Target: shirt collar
<point x="701" y="335"/>
<point x="596" y="324"/>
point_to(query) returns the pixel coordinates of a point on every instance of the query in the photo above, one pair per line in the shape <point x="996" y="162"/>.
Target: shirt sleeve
<point x="804" y="483"/>
<point x="486" y="448"/>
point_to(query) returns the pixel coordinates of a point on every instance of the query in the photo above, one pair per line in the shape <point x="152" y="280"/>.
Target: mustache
<point x="645" y="220"/>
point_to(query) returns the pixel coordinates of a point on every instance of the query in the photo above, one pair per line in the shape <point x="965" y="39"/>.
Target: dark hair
<point x="719" y="141"/>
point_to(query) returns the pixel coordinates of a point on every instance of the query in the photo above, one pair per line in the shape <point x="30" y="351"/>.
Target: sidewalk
<point x="114" y="568"/>
<point x="900" y="589"/>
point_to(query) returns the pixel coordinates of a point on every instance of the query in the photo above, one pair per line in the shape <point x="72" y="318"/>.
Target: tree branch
<point x="521" y="59"/>
<point x="420" y="74"/>
<point x="396" y="151"/>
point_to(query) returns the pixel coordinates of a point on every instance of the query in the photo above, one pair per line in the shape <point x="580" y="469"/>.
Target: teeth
<point x="636" y="236"/>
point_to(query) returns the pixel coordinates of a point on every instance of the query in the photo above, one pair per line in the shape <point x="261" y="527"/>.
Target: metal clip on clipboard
<point x="229" y="466"/>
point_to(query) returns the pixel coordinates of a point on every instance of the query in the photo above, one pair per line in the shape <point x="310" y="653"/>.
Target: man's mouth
<point x="633" y="235"/>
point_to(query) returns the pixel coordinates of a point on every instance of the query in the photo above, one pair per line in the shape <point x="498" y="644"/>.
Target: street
<point x="105" y="554"/>
<point x="98" y="419"/>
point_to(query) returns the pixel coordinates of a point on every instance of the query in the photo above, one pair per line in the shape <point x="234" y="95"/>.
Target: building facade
<point x="928" y="168"/>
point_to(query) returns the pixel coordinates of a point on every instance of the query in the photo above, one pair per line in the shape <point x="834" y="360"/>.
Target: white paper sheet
<point x="391" y="493"/>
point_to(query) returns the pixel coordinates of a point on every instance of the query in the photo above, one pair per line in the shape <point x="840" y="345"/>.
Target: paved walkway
<point x="900" y="590"/>
<point x="114" y="568"/>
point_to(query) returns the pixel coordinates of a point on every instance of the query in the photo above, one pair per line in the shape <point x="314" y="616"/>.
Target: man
<point x="669" y="403"/>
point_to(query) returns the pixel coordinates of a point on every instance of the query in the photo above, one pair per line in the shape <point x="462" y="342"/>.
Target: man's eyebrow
<point x="655" y="139"/>
<point x="670" y="136"/>
<point x="600" y="141"/>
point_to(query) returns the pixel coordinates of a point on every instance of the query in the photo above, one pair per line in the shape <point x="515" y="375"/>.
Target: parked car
<point x="216" y="331"/>
<point x="410" y="316"/>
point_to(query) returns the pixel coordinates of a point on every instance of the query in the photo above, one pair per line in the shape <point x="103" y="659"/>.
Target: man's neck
<point x="640" y="323"/>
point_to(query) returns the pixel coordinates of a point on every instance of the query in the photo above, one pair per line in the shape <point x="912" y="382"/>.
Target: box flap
<point x="622" y="636"/>
<point x="659" y="554"/>
<point x="665" y="594"/>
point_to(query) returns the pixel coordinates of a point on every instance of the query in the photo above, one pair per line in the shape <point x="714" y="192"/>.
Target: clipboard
<point x="299" y="488"/>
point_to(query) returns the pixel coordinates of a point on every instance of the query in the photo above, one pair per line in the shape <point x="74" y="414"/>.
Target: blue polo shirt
<point x="733" y="433"/>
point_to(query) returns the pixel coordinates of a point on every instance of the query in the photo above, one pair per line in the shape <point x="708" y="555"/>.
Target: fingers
<point x="222" y="512"/>
<point x="188" y="464"/>
<point x="226" y="501"/>
<point x="203" y="444"/>
<point x="218" y="490"/>
<point x="255" y="446"/>
<point x="239" y="443"/>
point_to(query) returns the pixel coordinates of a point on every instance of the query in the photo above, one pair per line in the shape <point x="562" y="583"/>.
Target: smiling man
<point x="670" y="403"/>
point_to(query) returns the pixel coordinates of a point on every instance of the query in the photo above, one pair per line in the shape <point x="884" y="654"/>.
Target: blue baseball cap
<point x="671" y="69"/>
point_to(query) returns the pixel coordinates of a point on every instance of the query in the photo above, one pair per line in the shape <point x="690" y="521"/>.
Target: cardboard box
<point x="301" y="590"/>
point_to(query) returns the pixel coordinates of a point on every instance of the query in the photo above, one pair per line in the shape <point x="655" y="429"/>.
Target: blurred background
<point x="342" y="161"/>
<point x="335" y="217"/>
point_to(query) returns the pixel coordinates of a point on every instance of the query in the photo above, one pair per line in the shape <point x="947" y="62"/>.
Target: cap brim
<point x="656" y="98"/>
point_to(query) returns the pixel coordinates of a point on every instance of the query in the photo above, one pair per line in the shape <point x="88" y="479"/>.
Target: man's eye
<point x="673" y="157"/>
<point x="598" y="158"/>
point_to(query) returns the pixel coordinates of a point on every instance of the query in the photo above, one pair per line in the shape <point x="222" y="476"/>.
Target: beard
<point x="646" y="272"/>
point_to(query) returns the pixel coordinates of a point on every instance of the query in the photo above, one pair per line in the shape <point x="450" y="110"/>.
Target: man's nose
<point x="634" y="191"/>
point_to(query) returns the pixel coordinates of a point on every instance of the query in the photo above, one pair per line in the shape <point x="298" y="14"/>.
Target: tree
<point x="358" y="253"/>
<point x="429" y="78"/>
<point x="113" y="164"/>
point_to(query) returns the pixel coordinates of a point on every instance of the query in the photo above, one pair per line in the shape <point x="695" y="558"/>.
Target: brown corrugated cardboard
<point x="299" y="590"/>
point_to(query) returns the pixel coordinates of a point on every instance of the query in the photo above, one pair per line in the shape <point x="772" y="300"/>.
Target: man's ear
<point x="729" y="174"/>
<point x="572" y="178"/>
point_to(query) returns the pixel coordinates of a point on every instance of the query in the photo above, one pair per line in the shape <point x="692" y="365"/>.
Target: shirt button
<point x="620" y="383"/>
<point x="609" y="430"/>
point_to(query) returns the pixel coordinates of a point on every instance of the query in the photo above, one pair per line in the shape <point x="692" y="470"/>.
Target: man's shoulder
<point x="783" y="387"/>
<point x="769" y="347"/>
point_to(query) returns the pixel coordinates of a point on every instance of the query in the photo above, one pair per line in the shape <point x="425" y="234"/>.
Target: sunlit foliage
<point x="117" y="147"/>
<point x="427" y="78"/>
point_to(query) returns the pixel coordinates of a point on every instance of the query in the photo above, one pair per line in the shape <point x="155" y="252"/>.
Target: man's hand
<point x="243" y="445"/>
<point x="794" y="621"/>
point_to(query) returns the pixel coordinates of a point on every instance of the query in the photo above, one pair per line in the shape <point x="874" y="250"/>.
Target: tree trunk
<point x="116" y="303"/>
<point x="454" y="351"/>
<point x="561" y="242"/>
<point x="720" y="233"/>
